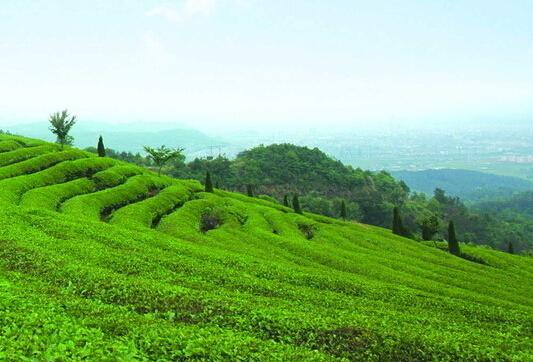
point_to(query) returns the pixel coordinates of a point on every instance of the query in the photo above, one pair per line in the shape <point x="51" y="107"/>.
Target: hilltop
<point x="104" y="260"/>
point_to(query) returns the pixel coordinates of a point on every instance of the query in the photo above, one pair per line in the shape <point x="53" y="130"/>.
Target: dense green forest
<point x="322" y="183"/>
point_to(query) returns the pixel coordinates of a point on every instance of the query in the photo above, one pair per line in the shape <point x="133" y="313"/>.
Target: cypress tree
<point x="510" y="248"/>
<point x="453" y="244"/>
<point x="208" y="182"/>
<point x="296" y="204"/>
<point x="101" y="147"/>
<point x="250" y="190"/>
<point x="344" y="212"/>
<point x="286" y="201"/>
<point x="397" y="227"/>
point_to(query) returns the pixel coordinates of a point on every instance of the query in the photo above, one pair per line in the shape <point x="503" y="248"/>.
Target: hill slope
<point x="102" y="260"/>
<point x="466" y="184"/>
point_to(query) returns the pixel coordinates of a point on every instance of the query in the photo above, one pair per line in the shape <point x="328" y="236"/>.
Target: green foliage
<point x="265" y="284"/>
<point x="160" y="156"/>
<point x="13" y="188"/>
<point x="208" y="183"/>
<point x="60" y="125"/>
<point x="430" y="226"/>
<point x="9" y="145"/>
<point x="397" y="224"/>
<point x="250" y="190"/>
<point x="296" y="204"/>
<point x="453" y="244"/>
<point x="22" y="154"/>
<point x="276" y="170"/>
<point x="51" y="197"/>
<point x="148" y="213"/>
<point x="101" y="204"/>
<point x="101" y="148"/>
<point x="344" y="211"/>
<point x="39" y="163"/>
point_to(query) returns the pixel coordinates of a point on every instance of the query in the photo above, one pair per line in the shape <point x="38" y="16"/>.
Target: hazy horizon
<point x="252" y="64"/>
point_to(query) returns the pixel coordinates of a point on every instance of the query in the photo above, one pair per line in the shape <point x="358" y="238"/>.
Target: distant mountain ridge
<point x="126" y="137"/>
<point x="466" y="184"/>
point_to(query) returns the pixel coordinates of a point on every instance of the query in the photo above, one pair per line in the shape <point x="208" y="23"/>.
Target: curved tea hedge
<point x="14" y="187"/>
<point x="178" y="274"/>
<point x="39" y="163"/>
<point x="21" y="154"/>
<point x="9" y="145"/>
<point x="148" y="212"/>
<point x="50" y="197"/>
<point x="101" y="203"/>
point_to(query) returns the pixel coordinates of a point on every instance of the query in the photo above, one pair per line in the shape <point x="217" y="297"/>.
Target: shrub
<point x="210" y="219"/>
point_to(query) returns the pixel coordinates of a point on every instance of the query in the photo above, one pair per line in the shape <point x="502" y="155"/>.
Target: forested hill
<point x="519" y="204"/>
<point x="323" y="183"/>
<point x="466" y="184"/>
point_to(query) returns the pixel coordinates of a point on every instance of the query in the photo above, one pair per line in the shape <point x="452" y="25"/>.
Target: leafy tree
<point x="286" y="200"/>
<point x="430" y="226"/>
<point x="60" y="125"/>
<point x="453" y="244"/>
<point x="208" y="182"/>
<point x="510" y="248"/>
<point x="160" y="156"/>
<point x="296" y="204"/>
<point x="101" y="147"/>
<point x="250" y="190"/>
<point x="344" y="212"/>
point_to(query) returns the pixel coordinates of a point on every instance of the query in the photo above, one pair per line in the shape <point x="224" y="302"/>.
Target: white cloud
<point x="184" y="10"/>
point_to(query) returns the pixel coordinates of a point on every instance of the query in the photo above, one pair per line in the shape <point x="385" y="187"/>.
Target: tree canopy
<point x="160" y="156"/>
<point x="60" y="125"/>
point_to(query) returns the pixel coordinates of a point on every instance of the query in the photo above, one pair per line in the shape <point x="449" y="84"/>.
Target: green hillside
<point x="101" y="260"/>
<point x="466" y="184"/>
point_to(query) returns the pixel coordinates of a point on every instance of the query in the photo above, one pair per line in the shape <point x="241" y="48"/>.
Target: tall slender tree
<point x="250" y="190"/>
<point x="510" y="248"/>
<point x="60" y="125"/>
<point x="397" y="226"/>
<point x="453" y="244"/>
<point x="101" y="147"/>
<point x="208" y="182"/>
<point x="296" y="204"/>
<point x="286" y="201"/>
<point x="344" y="212"/>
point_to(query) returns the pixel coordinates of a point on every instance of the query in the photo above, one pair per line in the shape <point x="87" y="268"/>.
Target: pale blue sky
<point x="267" y="62"/>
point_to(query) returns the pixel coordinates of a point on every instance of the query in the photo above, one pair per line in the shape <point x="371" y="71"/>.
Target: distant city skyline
<point x="254" y="63"/>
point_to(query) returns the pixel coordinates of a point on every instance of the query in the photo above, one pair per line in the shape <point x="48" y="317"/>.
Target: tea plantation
<point x="105" y="261"/>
